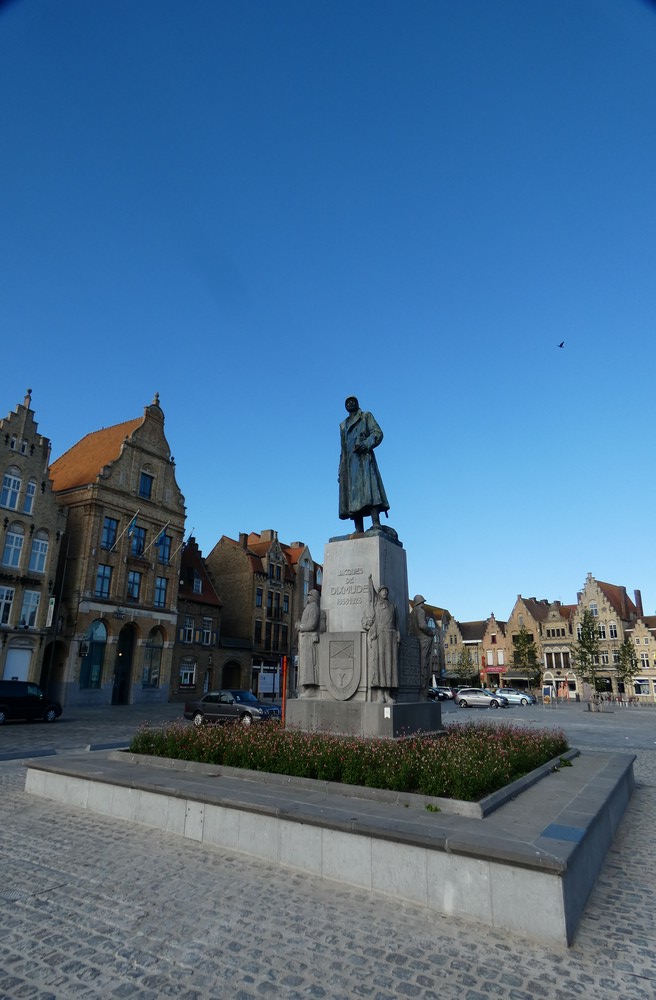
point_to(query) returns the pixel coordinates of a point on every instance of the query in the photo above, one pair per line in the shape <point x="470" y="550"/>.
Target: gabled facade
<point x="120" y="580"/>
<point x="200" y="662"/>
<point x="642" y="634"/>
<point x="494" y="652"/>
<point x="461" y="638"/>
<point x="32" y="526"/>
<point x="263" y="585"/>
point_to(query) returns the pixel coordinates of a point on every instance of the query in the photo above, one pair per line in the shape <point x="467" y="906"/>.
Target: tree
<point x="628" y="664"/>
<point x="586" y="653"/>
<point x="465" y="669"/>
<point x="525" y="656"/>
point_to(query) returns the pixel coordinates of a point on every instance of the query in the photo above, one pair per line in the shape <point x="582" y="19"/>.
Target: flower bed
<point x="465" y="762"/>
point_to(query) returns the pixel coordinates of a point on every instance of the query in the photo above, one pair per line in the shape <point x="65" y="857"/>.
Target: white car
<point x="517" y="697"/>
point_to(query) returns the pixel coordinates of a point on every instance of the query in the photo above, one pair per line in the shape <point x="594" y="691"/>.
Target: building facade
<point x="119" y="586"/>
<point x="33" y="524"/>
<point x="263" y="585"/>
<point x="201" y="663"/>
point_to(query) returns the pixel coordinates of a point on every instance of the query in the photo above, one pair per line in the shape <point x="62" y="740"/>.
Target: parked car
<point x="439" y="694"/>
<point x="229" y="706"/>
<point x="24" y="700"/>
<point x="480" y="698"/>
<point x="517" y="697"/>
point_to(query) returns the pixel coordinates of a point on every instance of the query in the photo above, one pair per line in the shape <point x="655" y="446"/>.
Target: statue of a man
<point x="420" y="628"/>
<point x="361" y="490"/>
<point x="383" y="642"/>
<point x="308" y="638"/>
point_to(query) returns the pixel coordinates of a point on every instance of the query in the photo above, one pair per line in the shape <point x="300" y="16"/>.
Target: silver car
<point x="517" y="697"/>
<point x="480" y="698"/>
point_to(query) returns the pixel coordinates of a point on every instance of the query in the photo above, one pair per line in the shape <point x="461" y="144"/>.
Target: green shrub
<point x="465" y="762"/>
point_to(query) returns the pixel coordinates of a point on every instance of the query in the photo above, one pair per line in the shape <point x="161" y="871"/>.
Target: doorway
<point x="123" y="666"/>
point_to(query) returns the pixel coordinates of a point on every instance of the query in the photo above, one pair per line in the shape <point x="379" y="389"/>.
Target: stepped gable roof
<point x="192" y="567"/>
<point x="618" y="598"/>
<point x="472" y="631"/>
<point x="83" y="463"/>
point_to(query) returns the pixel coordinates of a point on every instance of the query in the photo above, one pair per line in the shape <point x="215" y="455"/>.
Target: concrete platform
<point x="524" y="860"/>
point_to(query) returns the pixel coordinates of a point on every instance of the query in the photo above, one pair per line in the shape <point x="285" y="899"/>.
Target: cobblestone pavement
<point x="94" y="907"/>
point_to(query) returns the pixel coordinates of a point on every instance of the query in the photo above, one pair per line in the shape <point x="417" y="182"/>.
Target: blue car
<point x="517" y="697"/>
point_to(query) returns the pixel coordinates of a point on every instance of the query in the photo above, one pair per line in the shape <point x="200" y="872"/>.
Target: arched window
<point x="11" y="555"/>
<point x="11" y="484"/>
<point x="39" y="553"/>
<point x="30" y="493"/>
<point x="152" y="659"/>
<point x="93" y="655"/>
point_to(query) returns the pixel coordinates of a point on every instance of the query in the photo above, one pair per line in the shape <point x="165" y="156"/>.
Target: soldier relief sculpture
<point x="383" y="640"/>
<point x="308" y="639"/>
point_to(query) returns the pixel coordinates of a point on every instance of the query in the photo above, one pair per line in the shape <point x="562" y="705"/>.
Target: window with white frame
<point x="612" y="630"/>
<point x="188" y="629"/>
<point x="206" y="634"/>
<point x="644" y="661"/>
<point x="6" y="601"/>
<point x="187" y="672"/>
<point x="594" y="609"/>
<point x="30" y="607"/>
<point x="30" y="493"/>
<point x="39" y="552"/>
<point x="500" y="659"/>
<point x="11" y="484"/>
<point x="601" y="630"/>
<point x="11" y="555"/>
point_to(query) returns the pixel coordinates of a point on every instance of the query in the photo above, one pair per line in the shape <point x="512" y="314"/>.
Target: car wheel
<point x="462" y="703"/>
<point x="524" y="701"/>
<point x="494" y="704"/>
<point x="246" y="719"/>
<point x="50" y="715"/>
<point x="198" y="719"/>
<point x="3" y="716"/>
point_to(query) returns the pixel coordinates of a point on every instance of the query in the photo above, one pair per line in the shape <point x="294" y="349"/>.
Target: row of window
<point x="276" y="637"/>
<point x="137" y="537"/>
<point x="23" y="447"/>
<point x="134" y="588"/>
<point x="13" y="549"/>
<point x="29" y="608"/>
<point x="273" y="600"/>
<point x="10" y="494"/>
<point x="189" y="632"/>
<point x="601" y="631"/>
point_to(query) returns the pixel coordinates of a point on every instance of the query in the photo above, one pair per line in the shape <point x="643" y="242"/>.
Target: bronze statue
<point x="361" y="490"/>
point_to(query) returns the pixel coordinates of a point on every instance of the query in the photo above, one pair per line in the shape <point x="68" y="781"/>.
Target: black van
<point x="23" y="700"/>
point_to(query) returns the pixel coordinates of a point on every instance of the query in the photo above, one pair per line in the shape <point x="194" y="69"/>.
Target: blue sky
<point x="259" y="208"/>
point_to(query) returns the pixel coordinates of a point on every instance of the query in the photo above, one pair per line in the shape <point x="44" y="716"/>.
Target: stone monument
<point x="361" y="662"/>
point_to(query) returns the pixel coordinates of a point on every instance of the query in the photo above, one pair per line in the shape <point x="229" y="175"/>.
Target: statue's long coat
<point x="360" y="484"/>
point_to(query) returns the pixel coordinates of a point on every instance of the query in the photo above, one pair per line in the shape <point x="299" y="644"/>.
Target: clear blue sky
<point x="258" y="208"/>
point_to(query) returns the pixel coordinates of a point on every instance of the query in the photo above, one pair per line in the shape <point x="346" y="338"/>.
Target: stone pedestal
<point x="349" y="697"/>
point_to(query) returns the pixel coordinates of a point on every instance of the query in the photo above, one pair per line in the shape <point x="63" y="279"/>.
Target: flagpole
<point x="156" y="538"/>
<point x="129" y="525"/>
<point x="183" y="542"/>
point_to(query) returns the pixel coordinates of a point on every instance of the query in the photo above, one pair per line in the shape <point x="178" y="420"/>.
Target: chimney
<point x="268" y="535"/>
<point x="243" y="539"/>
<point x="638" y="602"/>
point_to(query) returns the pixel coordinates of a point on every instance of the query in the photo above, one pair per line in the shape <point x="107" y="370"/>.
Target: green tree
<point x="465" y="669"/>
<point x="586" y="651"/>
<point x="525" y="656"/>
<point x="628" y="664"/>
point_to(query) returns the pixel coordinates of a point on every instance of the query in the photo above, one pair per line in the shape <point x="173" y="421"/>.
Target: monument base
<point x="363" y="718"/>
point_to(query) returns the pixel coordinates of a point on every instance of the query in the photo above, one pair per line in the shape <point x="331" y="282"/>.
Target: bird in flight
<point x="562" y="343"/>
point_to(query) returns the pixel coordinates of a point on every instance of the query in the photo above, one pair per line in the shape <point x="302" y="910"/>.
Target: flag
<point x="131" y="526"/>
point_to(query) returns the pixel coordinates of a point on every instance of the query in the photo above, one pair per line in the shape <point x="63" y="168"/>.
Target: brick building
<point x="201" y="662"/>
<point x="120" y="579"/>
<point x="33" y="525"/>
